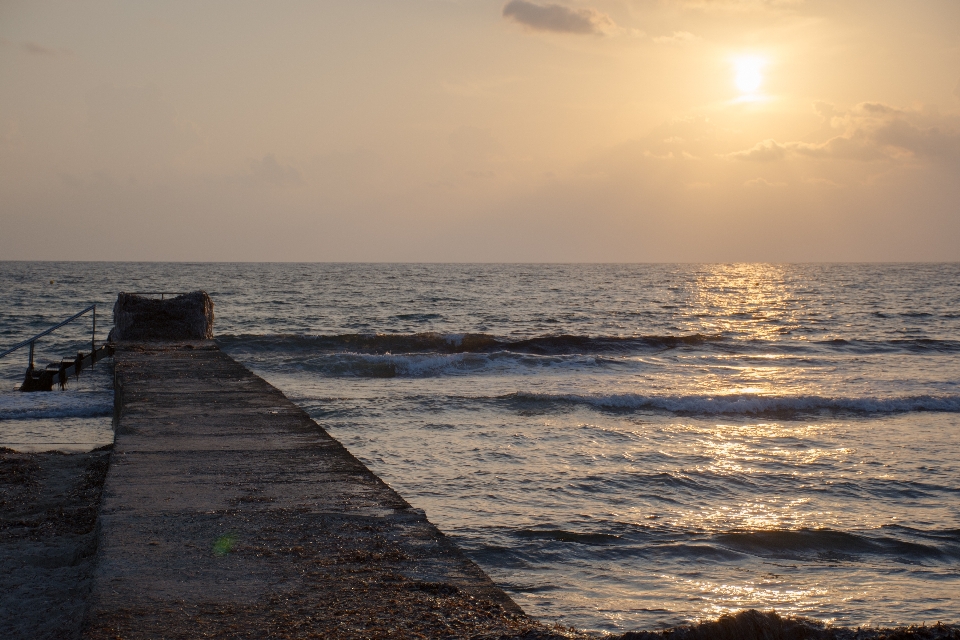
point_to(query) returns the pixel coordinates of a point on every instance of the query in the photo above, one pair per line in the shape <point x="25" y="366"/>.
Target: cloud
<point x="956" y="90"/>
<point x="870" y="132"/>
<point x="821" y="182"/>
<point x="686" y="136"/>
<point x="41" y="50"/>
<point x="927" y="142"/>
<point x="737" y="5"/>
<point x="269" y="171"/>
<point x="557" y="18"/>
<point x="760" y="183"/>
<point x="677" y="37"/>
<point x="766" y="151"/>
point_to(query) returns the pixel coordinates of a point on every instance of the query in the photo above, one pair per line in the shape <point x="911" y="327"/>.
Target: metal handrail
<point x="30" y="341"/>
<point x="155" y="293"/>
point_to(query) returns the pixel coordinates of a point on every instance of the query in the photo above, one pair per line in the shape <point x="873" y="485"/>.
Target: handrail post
<point x="30" y="367"/>
<point x="93" y="338"/>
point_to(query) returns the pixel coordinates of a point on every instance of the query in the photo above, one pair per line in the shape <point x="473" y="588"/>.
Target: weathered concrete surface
<point x="228" y="512"/>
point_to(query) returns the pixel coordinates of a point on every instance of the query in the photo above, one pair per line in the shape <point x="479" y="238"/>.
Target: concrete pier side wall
<point x="228" y="513"/>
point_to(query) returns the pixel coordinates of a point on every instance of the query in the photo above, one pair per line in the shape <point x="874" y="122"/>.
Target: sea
<point x="619" y="446"/>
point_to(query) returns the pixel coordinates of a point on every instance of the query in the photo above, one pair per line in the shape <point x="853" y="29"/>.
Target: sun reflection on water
<point x="749" y="300"/>
<point x="754" y="454"/>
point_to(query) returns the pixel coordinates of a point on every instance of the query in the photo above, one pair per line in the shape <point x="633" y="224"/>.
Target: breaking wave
<point x="562" y="535"/>
<point x="391" y="366"/>
<point x="463" y="343"/>
<point x="911" y="345"/>
<point x="55" y="404"/>
<point x="903" y="544"/>
<point x="563" y="344"/>
<point x="747" y="404"/>
<point x="832" y="545"/>
<point x="426" y="365"/>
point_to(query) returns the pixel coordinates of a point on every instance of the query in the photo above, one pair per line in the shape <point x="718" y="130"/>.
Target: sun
<point x="748" y="74"/>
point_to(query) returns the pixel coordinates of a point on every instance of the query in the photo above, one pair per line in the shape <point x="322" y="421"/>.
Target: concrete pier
<point x="228" y="513"/>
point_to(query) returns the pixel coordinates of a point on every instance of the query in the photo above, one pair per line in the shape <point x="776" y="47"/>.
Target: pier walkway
<point x="228" y="513"/>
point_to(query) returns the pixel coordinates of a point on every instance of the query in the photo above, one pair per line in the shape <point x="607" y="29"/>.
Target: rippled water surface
<point x="618" y="446"/>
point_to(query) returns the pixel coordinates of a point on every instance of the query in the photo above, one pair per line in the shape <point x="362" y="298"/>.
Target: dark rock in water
<point x="186" y="317"/>
<point x="768" y="625"/>
<point x="744" y="625"/>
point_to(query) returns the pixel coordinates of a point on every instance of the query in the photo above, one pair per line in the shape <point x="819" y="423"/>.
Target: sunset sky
<point x="480" y="130"/>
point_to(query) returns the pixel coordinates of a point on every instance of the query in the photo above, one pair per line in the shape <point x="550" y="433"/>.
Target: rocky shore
<point x="48" y="518"/>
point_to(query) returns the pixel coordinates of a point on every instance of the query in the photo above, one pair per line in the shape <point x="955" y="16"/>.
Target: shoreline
<point x="49" y="504"/>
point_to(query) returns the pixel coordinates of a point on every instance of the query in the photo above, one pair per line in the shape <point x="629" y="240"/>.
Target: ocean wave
<point x="55" y="404"/>
<point x="429" y="365"/>
<point x="805" y="544"/>
<point x="832" y="545"/>
<point x="463" y="343"/>
<point x="562" y="535"/>
<point x="394" y="366"/>
<point x="567" y="344"/>
<point x="747" y="404"/>
<point x="908" y="345"/>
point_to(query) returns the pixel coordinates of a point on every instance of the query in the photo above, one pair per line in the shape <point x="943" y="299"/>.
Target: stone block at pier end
<point x="188" y="316"/>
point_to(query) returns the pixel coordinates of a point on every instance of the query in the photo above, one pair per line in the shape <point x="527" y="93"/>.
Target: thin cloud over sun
<point x="557" y="18"/>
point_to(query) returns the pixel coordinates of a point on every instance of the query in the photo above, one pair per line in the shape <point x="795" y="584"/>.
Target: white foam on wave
<point x="55" y="404"/>
<point x="406" y="365"/>
<point x="748" y="404"/>
<point x="434" y="364"/>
